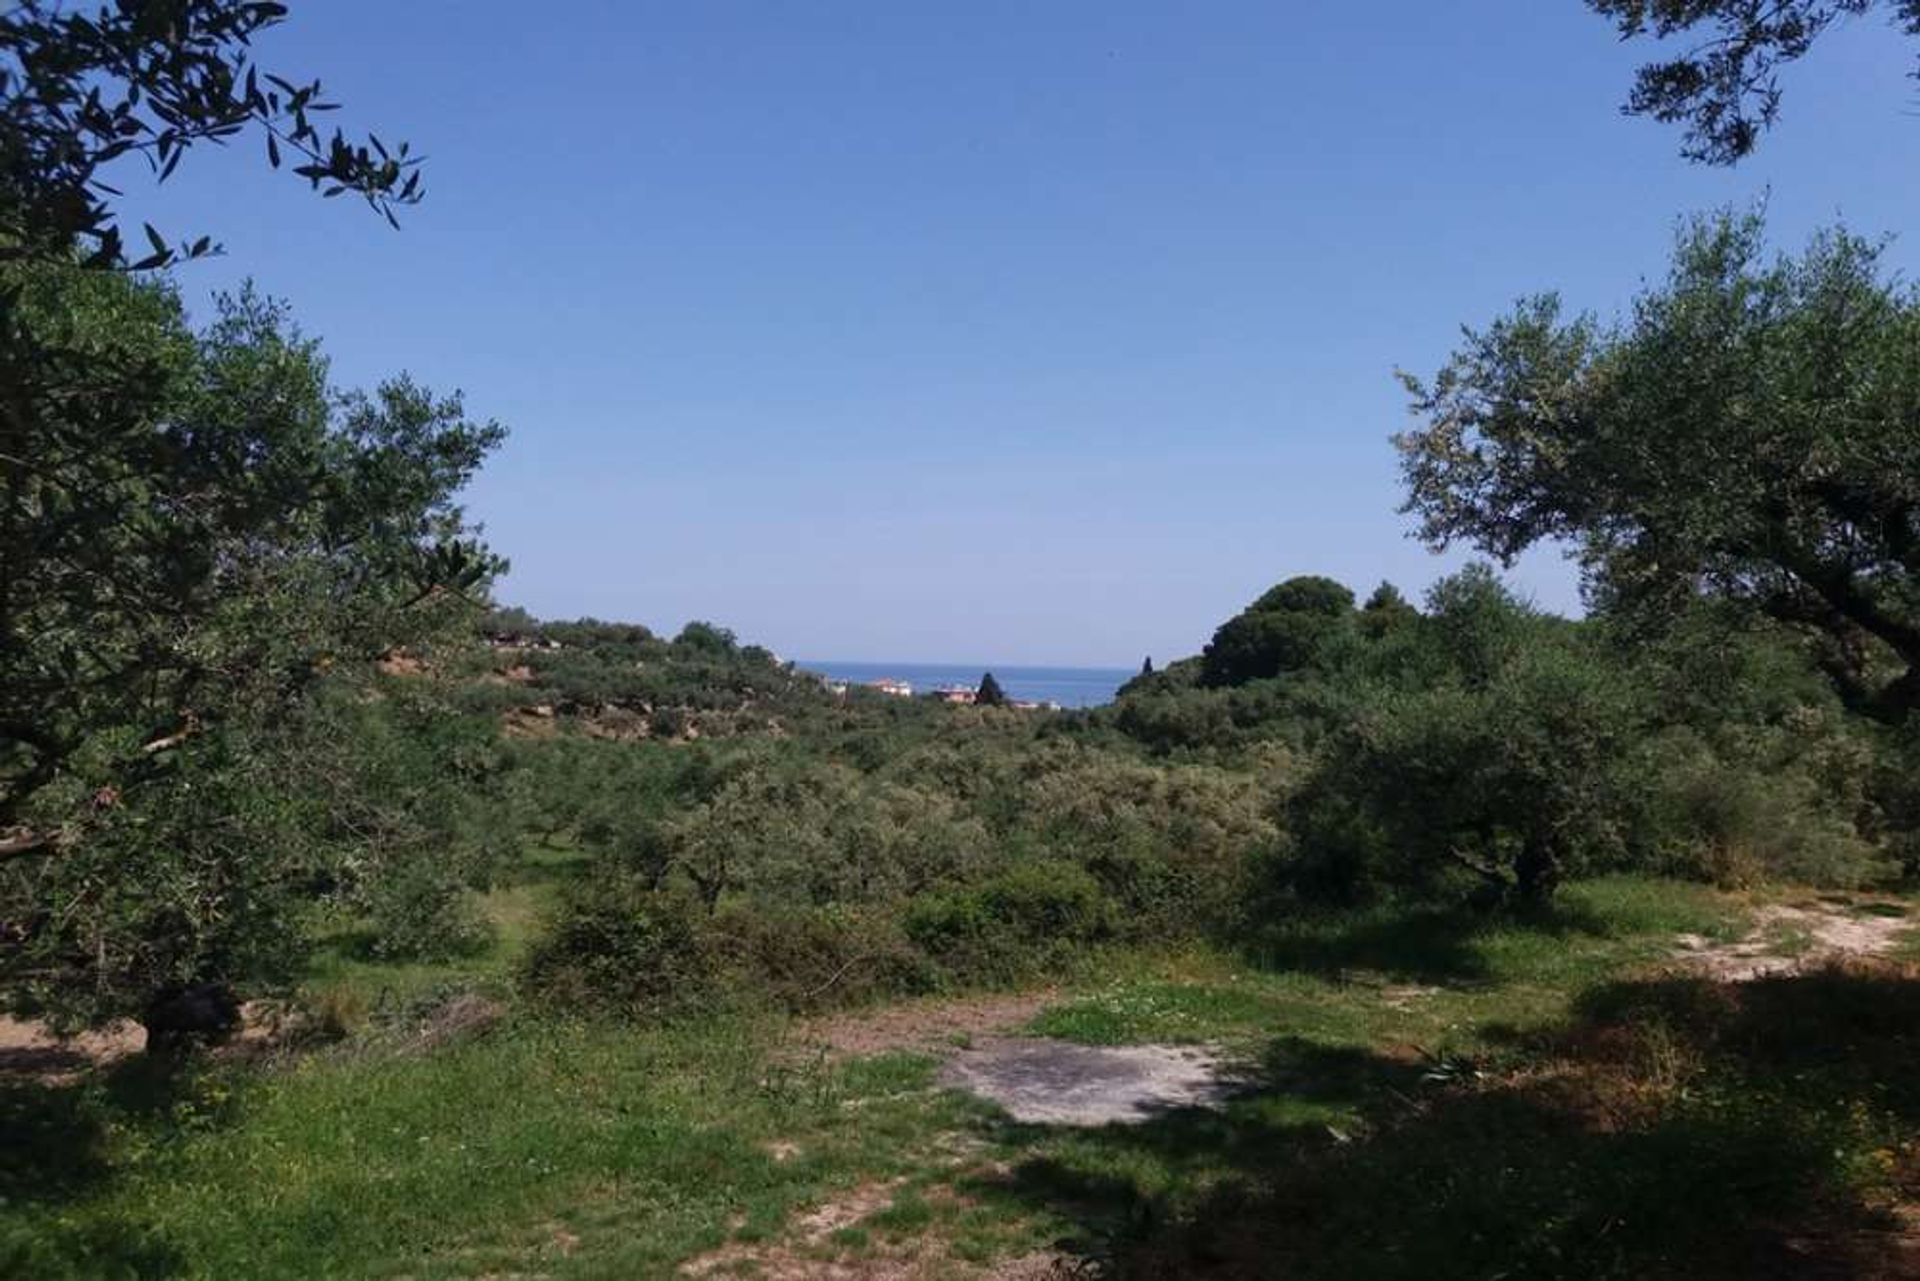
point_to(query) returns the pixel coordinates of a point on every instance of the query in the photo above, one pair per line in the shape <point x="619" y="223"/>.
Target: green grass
<point x="1418" y="976"/>
<point x="1442" y="1094"/>
<point x="1438" y="1094"/>
<point x="640" y="1147"/>
<point x="572" y="1149"/>
<point x="342" y="976"/>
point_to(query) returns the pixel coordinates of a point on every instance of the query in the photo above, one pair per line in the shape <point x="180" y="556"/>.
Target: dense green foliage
<point x="1481" y="737"/>
<point x="201" y="542"/>
<point x="1752" y="432"/>
<point x="244" y="698"/>
<point x="877" y="845"/>
<point x="207" y="555"/>
<point x="1291" y="628"/>
<point x="324" y="738"/>
<point x="1474" y="749"/>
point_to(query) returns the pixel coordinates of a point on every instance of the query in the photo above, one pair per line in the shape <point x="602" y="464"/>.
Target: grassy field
<point x="1430" y="1094"/>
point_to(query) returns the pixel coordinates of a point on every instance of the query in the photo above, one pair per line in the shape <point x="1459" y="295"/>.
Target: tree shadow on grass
<point x="1421" y="944"/>
<point x="1674" y="1128"/>
<point x="88" y="1249"/>
<point x="52" y="1142"/>
<point x="54" y="1130"/>
<point x="54" y="1136"/>
<point x="1849" y="1030"/>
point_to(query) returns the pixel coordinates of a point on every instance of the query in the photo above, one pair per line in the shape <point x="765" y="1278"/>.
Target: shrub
<point x="1166" y="721"/>
<point x="820" y="834"/>
<point x="1736" y="826"/>
<point x="422" y="909"/>
<point x="616" y="947"/>
<point x="1012" y="923"/>
<point x="202" y="880"/>
<point x="1167" y="841"/>
<point x="807" y="958"/>
<point x="1048" y="901"/>
<point x="421" y="808"/>
<point x="1156" y="899"/>
<point x="1523" y="780"/>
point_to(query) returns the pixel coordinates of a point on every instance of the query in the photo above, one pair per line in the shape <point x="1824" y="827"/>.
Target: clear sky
<point x="994" y="331"/>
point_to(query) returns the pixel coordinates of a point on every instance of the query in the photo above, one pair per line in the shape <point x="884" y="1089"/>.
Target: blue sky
<point x="999" y="332"/>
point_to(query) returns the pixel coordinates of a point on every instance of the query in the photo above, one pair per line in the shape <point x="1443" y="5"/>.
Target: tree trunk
<point x="1536" y="873"/>
<point x="183" y="1016"/>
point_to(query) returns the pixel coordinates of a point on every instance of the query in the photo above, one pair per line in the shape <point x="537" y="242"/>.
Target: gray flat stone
<point x="1044" y="1082"/>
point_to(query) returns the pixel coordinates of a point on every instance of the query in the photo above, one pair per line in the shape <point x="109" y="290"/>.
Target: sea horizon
<point x="1027" y="682"/>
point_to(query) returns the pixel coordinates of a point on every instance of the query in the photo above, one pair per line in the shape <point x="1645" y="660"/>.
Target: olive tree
<point x="199" y="540"/>
<point x="1723" y="86"/>
<point x="84" y="89"/>
<point x="1749" y="433"/>
<point x="1514" y="758"/>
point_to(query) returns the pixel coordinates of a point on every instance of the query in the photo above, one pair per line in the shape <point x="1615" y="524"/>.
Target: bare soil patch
<point x="1792" y="939"/>
<point x="1406" y="996"/>
<point x="827" y="1218"/>
<point x="1046" y="1082"/>
<point x="27" y="1049"/>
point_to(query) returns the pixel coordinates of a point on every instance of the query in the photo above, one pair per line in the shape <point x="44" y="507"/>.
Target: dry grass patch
<point x="934" y="1026"/>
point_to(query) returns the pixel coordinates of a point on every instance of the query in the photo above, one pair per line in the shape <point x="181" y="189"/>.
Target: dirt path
<point x="1791" y="939"/>
<point x="27" y="1049"/>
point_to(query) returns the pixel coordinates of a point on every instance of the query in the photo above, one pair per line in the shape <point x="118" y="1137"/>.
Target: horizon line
<point x="968" y="663"/>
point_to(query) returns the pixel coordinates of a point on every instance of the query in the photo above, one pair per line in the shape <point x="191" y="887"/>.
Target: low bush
<point x="1478" y="749"/>
<point x="616" y="947"/>
<point x="810" y="958"/>
<point x="1736" y="826"/>
<point x="1521" y="781"/>
<point x="1013" y="923"/>
<point x="783" y="834"/>
<point x="423" y="909"/>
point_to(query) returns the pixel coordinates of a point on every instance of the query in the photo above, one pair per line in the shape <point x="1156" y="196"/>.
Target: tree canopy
<point x="205" y="550"/>
<point x="1725" y="89"/>
<point x="83" y="87"/>
<point x="197" y="518"/>
<point x="1750" y="432"/>
<point x="1289" y="627"/>
<point x="204" y="545"/>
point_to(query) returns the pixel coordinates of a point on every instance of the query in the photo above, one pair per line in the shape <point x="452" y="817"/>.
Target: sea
<point x="1067" y="686"/>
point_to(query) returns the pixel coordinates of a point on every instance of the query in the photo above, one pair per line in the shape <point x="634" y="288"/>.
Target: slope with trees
<point x="266" y="733"/>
